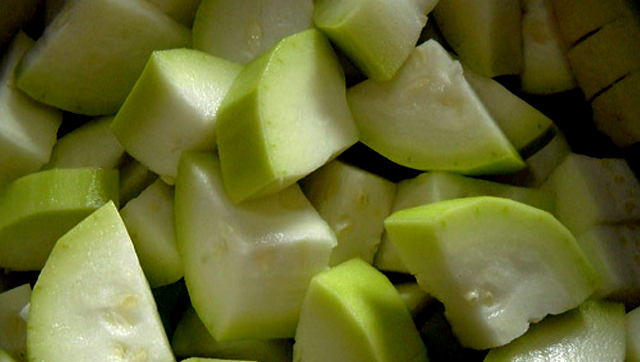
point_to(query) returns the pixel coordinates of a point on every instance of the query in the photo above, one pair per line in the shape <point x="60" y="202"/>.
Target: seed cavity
<point x="121" y="318"/>
<point x="126" y="353"/>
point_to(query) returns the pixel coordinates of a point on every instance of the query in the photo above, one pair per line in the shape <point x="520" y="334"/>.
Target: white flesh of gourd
<point x="247" y="266"/>
<point x="92" y="299"/>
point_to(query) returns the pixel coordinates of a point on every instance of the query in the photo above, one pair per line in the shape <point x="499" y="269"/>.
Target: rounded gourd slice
<point x="352" y="312"/>
<point x="496" y="264"/>
<point x="37" y="209"/>
<point x="91" y="54"/>
<point x="427" y="117"/>
<point x="92" y="299"/>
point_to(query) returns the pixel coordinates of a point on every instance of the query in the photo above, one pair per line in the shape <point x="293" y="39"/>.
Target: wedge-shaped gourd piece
<point x="90" y="145"/>
<point x="632" y="326"/>
<point x="354" y="203"/>
<point x="428" y="118"/>
<point x="616" y="111"/>
<point x="431" y="187"/>
<point x="593" y="191"/>
<point x="27" y="128"/>
<point x="92" y="299"/>
<point x="607" y="55"/>
<point x="614" y="251"/>
<point x="90" y="56"/>
<point x="174" y="107"/>
<point x="496" y="264"/>
<point x="486" y="34"/>
<point x="183" y="11"/>
<point x="191" y="338"/>
<point x="579" y="18"/>
<point x="285" y="115"/>
<point x="242" y="30"/>
<point x="37" y="209"/>
<point x="150" y="222"/>
<point x="592" y="332"/>
<point x="545" y="66"/>
<point x="378" y="35"/>
<point x="247" y="266"/>
<point x="352" y="312"/>
<point x="524" y="125"/>
<point x="13" y="329"/>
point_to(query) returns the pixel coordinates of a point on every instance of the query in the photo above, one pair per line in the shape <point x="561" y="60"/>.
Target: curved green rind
<point x="297" y="88"/>
<point x="352" y="312"/>
<point x="173" y="107"/>
<point x="496" y="264"/>
<point x="523" y="125"/>
<point x="91" y="55"/>
<point x="428" y="118"/>
<point x="378" y="35"/>
<point x="92" y="299"/>
<point x="37" y="209"/>
<point x="430" y="187"/>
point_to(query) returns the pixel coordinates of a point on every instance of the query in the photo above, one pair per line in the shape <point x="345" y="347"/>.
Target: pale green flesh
<point x="242" y="30"/>
<point x="183" y="11"/>
<point x="496" y="264"/>
<point x="354" y="203"/>
<point x="521" y="123"/>
<point x="191" y="338"/>
<point x="592" y="191"/>
<point x="90" y="56"/>
<point x="632" y="327"/>
<point x="353" y="313"/>
<point x="545" y="66"/>
<point x="150" y="222"/>
<point x="13" y="329"/>
<point x="37" y="209"/>
<point x="613" y="250"/>
<point x="378" y="35"/>
<point x="27" y="129"/>
<point x="593" y="332"/>
<point x="298" y="89"/>
<point x="173" y="107"/>
<point x="92" y="299"/>
<point x="486" y="34"/>
<point x="428" y="118"/>
<point x="437" y="186"/>
<point x="246" y="266"/>
<point x="91" y="145"/>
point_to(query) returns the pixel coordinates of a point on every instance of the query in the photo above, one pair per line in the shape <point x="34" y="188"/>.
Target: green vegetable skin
<point x="349" y="309"/>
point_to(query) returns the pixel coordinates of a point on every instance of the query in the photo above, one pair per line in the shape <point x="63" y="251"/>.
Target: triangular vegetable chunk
<point x="92" y="299"/>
